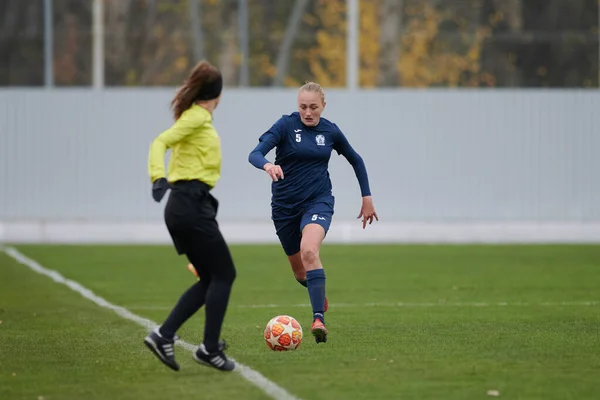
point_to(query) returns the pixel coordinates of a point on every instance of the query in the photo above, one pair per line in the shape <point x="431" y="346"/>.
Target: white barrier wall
<point x="447" y="165"/>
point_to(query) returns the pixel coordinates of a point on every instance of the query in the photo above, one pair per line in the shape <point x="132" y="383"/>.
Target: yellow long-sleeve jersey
<point x="195" y="149"/>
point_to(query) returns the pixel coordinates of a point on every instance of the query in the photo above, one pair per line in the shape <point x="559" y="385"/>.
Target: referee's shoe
<point x="216" y="360"/>
<point x="162" y="348"/>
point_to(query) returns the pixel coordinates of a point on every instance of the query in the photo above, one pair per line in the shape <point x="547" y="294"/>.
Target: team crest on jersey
<point x="320" y="140"/>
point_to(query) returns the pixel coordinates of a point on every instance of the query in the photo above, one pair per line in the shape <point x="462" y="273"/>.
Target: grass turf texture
<point x="453" y="338"/>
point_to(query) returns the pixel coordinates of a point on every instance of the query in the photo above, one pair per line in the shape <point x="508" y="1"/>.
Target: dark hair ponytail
<point x="203" y="83"/>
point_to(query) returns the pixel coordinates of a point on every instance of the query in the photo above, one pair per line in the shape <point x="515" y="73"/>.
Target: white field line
<point x="252" y="376"/>
<point x="405" y="305"/>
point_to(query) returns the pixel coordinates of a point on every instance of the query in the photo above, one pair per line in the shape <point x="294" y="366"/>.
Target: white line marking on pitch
<point x="252" y="376"/>
<point x="406" y="305"/>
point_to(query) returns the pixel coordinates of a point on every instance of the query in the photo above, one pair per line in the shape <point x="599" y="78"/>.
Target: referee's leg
<point x="211" y="254"/>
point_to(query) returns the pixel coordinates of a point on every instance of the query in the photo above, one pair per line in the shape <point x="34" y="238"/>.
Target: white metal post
<point x="48" y="44"/>
<point x="98" y="44"/>
<point x="352" y="57"/>
<point x="243" y="38"/>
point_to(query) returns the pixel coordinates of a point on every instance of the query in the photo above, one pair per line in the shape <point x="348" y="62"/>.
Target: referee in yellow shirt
<point x="190" y="215"/>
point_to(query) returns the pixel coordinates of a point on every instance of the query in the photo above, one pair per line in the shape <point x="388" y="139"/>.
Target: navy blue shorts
<point x="289" y="226"/>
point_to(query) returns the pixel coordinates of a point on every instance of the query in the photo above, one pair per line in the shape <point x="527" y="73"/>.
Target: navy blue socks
<point x="315" y="281"/>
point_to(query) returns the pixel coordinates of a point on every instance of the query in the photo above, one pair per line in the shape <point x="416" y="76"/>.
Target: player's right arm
<point x="266" y="143"/>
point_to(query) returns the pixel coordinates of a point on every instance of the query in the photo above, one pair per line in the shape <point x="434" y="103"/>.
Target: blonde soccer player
<point x="302" y="203"/>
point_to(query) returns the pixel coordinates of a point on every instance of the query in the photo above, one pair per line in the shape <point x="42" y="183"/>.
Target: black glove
<point x="159" y="188"/>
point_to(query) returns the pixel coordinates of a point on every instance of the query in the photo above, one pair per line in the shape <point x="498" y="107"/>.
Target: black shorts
<point x="191" y="216"/>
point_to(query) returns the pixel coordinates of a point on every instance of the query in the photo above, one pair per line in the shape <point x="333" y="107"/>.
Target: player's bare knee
<point x="310" y="256"/>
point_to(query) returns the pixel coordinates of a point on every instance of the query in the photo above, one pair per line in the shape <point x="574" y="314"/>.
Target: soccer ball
<point x="283" y="333"/>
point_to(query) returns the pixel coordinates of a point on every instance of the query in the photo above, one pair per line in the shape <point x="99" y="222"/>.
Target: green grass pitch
<point x="406" y="322"/>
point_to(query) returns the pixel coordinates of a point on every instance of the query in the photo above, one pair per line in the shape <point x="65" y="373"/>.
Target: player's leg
<point x="288" y="232"/>
<point x="312" y="236"/>
<point x="214" y="257"/>
<point x="300" y="273"/>
<point x="193" y="228"/>
<point x="192" y="300"/>
<point x="160" y="341"/>
<point x="188" y="304"/>
<point x="298" y="268"/>
<point x="315" y="225"/>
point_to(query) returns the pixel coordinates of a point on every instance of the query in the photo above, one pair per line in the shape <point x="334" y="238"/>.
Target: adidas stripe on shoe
<point x="162" y="348"/>
<point x="216" y="360"/>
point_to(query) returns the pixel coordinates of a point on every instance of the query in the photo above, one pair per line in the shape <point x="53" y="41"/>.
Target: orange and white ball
<point x="283" y="333"/>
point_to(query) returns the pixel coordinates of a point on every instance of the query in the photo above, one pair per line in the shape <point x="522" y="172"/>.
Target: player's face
<point x="310" y="107"/>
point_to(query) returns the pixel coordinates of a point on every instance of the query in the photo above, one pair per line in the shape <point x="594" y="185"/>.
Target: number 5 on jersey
<point x="298" y="137"/>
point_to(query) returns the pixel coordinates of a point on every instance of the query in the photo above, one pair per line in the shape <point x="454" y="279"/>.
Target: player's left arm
<point x="182" y="128"/>
<point x="343" y="147"/>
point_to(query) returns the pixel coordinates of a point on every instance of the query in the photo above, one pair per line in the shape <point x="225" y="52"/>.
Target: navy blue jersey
<point x="303" y="153"/>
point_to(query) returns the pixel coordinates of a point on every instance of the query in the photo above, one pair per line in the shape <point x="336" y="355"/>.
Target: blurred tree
<point x="219" y="23"/>
<point x="389" y="41"/>
<point x="21" y="43"/>
<point x="196" y="31"/>
<point x="288" y="40"/>
<point x="229" y="60"/>
<point x="411" y="43"/>
<point x="72" y="42"/>
<point x="117" y="18"/>
<point x="268" y="20"/>
<point x="551" y="43"/>
<point x="149" y="45"/>
<point x="509" y="14"/>
<point x="441" y="46"/>
<point x="369" y="43"/>
<point x="326" y="55"/>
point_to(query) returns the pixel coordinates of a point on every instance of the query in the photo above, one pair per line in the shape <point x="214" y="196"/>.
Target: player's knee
<point x="310" y="255"/>
<point x="226" y="275"/>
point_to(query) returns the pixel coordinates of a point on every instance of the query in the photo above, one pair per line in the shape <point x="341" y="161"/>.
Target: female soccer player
<point x="190" y="215"/>
<point x="302" y="202"/>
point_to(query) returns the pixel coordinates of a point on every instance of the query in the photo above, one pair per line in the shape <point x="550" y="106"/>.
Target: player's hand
<point x="367" y="211"/>
<point x="274" y="171"/>
<point x="159" y="188"/>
